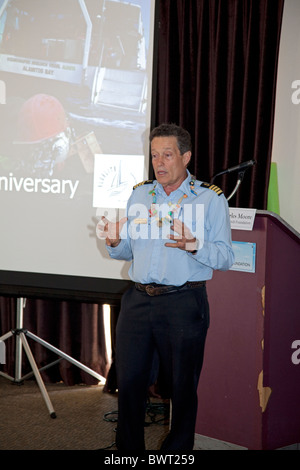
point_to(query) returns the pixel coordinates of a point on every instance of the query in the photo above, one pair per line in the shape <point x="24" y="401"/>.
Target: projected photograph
<point x="75" y="84"/>
<point x="70" y="68"/>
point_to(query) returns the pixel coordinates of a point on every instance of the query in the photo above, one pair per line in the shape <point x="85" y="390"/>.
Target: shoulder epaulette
<point x="213" y="187"/>
<point x="142" y="183"/>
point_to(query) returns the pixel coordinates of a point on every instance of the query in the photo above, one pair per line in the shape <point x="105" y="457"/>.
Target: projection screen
<point x="75" y="114"/>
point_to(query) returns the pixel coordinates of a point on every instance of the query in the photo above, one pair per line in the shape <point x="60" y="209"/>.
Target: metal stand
<point x="241" y="168"/>
<point x="20" y="335"/>
<point x="239" y="180"/>
<point x="241" y="175"/>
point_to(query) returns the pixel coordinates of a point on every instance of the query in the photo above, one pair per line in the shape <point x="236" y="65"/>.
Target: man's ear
<point x="187" y="157"/>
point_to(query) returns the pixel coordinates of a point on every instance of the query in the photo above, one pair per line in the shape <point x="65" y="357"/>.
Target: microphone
<point x="241" y="167"/>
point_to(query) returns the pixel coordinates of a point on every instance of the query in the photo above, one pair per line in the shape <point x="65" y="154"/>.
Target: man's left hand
<point x="184" y="239"/>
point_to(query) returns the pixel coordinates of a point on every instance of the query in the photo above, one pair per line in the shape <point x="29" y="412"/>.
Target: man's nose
<point x="160" y="160"/>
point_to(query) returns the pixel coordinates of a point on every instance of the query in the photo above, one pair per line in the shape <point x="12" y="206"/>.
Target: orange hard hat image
<point x="41" y="117"/>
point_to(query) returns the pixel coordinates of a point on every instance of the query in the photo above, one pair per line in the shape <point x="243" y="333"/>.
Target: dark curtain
<point x="216" y="76"/>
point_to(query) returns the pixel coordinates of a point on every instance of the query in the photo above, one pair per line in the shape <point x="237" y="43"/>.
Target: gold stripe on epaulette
<point x="142" y="183"/>
<point x="213" y="187"/>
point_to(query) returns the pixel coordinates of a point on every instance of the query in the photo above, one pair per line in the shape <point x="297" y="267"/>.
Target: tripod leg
<point x="18" y="364"/>
<point x="65" y="356"/>
<point x="37" y="375"/>
<point x="19" y="326"/>
<point x="6" y="336"/>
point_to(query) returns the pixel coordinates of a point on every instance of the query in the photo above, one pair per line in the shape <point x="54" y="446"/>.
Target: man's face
<point x="168" y="164"/>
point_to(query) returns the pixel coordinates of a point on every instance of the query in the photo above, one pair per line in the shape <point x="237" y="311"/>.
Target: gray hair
<point x="183" y="137"/>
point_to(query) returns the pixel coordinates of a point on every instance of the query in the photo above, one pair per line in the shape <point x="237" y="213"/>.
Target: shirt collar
<point x="184" y="187"/>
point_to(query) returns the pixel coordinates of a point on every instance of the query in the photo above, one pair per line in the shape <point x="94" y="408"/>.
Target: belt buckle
<point x="150" y="290"/>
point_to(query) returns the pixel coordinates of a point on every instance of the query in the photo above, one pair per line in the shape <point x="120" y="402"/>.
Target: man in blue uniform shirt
<point x="177" y="231"/>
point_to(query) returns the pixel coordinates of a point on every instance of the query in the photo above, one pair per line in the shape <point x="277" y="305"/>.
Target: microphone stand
<point x="241" y="175"/>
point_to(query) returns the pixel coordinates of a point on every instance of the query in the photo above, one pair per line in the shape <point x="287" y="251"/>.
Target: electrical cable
<point x="153" y="410"/>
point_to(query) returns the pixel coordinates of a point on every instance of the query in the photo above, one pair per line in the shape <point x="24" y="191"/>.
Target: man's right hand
<point x="110" y="230"/>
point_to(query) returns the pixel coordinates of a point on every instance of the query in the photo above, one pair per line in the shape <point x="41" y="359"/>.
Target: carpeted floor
<point x="85" y="418"/>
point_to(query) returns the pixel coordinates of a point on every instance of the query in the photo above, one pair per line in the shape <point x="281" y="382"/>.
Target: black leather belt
<point x="159" y="289"/>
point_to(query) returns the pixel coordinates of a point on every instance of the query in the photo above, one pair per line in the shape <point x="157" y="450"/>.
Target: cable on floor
<point x="153" y="411"/>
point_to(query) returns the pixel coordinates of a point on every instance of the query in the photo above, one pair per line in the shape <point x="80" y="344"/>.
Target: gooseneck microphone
<point x="241" y="167"/>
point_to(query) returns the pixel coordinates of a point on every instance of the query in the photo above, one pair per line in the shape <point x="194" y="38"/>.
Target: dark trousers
<point x="174" y="326"/>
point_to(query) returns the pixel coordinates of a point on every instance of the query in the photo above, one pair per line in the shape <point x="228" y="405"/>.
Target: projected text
<point x="36" y="185"/>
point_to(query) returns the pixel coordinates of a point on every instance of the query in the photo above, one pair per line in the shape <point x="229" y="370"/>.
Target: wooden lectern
<point x="249" y="390"/>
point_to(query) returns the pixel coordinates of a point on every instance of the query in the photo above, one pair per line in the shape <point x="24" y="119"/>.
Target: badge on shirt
<point x="140" y="220"/>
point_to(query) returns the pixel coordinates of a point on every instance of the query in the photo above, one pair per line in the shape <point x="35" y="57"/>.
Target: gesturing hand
<point x="184" y="238"/>
<point x="110" y="230"/>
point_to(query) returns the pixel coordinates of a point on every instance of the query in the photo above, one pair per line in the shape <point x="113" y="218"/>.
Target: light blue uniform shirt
<point x="205" y="213"/>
